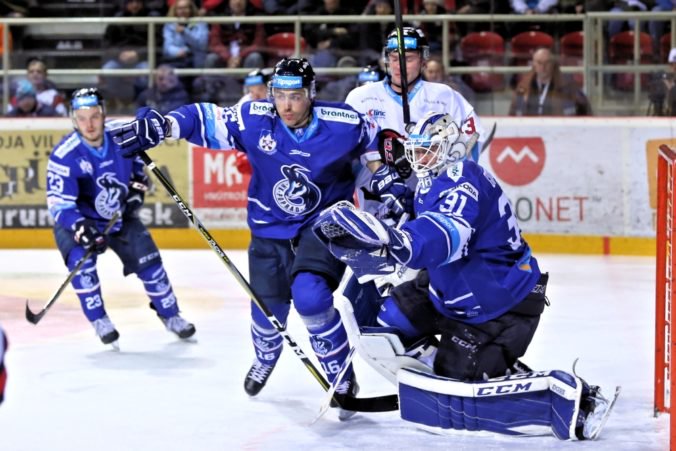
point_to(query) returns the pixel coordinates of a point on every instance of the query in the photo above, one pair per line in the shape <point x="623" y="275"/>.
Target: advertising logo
<point x="517" y="161"/>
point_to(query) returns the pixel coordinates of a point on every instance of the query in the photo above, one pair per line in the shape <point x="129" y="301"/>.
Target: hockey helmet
<point x="87" y="98"/>
<point x="413" y="40"/>
<point x="433" y="143"/>
<point x="258" y="77"/>
<point x="370" y="74"/>
<point x="293" y="73"/>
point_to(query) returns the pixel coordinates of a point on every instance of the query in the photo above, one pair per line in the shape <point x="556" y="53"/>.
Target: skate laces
<point x="259" y="372"/>
<point x="103" y="326"/>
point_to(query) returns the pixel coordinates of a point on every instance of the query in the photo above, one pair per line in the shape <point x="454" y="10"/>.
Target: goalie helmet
<point x="293" y="73"/>
<point x="414" y="39"/>
<point x="433" y="144"/>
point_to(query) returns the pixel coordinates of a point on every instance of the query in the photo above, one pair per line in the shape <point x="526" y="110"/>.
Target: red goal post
<point x="665" y="344"/>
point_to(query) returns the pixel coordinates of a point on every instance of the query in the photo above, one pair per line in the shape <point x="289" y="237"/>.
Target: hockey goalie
<point x="451" y="337"/>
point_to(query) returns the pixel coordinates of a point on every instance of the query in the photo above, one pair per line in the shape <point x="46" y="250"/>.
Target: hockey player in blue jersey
<point x="302" y="153"/>
<point x="88" y="181"/>
<point x="480" y="290"/>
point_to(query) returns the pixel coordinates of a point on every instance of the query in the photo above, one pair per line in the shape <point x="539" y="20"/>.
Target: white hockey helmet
<point x="433" y="143"/>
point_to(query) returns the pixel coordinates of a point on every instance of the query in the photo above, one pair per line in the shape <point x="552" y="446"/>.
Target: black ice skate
<point x="257" y="377"/>
<point x="179" y="326"/>
<point x="106" y="331"/>
<point x="349" y="387"/>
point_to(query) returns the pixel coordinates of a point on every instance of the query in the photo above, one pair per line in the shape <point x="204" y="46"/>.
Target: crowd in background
<point x="192" y="44"/>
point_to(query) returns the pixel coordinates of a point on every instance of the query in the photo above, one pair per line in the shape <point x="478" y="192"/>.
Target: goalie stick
<point x="379" y="404"/>
<point x="34" y="318"/>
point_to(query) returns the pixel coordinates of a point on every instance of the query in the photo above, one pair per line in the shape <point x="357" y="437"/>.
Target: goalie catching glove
<point x="362" y="241"/>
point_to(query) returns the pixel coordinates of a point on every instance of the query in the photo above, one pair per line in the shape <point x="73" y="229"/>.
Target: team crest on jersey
<point x="86" y="167"/>
<point x="108" y="199"/>
<point x="267" y="143"/>
<point x="295" y="194"/>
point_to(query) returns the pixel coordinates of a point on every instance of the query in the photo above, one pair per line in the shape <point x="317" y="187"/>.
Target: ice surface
<point x="67" y="391"/>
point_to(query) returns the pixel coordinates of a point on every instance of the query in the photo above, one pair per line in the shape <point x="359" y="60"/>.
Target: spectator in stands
<point x="616" y="26"/>
<point x="336" y="90"/>
<point x="286" y="8"/>
<point x="662" y="91"/>
<point x="331" y="41"/>
<point x="434" y="71"/>
<point x="27" y="104"/>
<point x="433" y="30"/>
<point x="236" y="44"/>
<point x="167" y="92"/>
<point x="528" y="7"/>
<point x="45" y="89"/>
<point x="125" y="47"/>
<point x="185" y="41"/>
<point x="372" y="35"/>
<point x="656" y="27"/>
<point x="544" y="91"/>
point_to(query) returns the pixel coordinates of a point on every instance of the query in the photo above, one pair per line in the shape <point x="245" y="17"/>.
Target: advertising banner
<point x="25" y="145"/>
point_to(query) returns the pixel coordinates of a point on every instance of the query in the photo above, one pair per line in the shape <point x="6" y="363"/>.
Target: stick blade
<point x="33" y="318"/>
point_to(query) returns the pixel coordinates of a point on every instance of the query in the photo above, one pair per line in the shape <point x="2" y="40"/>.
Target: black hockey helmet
<point x="370" y="74"/>
<point x="258" y="77"/>
<point x="414" y="39"/>
<point x="293" y="73"/>
<point x="87" y="98"/>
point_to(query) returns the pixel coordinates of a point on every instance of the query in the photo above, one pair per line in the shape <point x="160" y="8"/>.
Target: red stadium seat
<point x="484" y="48"/>
<point x="526" y="43"/>
<point x="621" y="51"/>
<point x="571" y="47"/>
<point x="283" y="44"/>
<point x="665" y="47"/>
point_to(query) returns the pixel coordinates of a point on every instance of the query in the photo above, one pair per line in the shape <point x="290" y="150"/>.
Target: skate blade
<point x="606" y="414"/>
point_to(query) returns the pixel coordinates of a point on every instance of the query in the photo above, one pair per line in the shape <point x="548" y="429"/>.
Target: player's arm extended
<point x="203" y="124"/>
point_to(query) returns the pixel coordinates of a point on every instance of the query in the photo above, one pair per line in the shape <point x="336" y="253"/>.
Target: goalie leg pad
<point x="525" y="404"/>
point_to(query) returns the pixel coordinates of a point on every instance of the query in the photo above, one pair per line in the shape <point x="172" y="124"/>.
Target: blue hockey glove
<point x="89" y="237"/>
<point x="147" y="131"/>
<point x="134" y="201"/>
<point x="390" y="188"/>
<point x="344" y="226"/>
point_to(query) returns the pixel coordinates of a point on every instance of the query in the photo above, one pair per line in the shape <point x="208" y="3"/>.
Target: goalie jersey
<point x="296" y="173"/>
<point x="467" y="237"/>
<point x="86" y="182"/>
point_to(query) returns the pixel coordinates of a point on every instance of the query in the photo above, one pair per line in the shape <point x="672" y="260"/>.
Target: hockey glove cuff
<point x="135" y="198"/>
<point x="147" y="131"/>
<point x="89" y="237"/>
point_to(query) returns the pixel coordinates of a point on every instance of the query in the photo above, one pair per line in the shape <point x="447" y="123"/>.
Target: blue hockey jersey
<point x="468" y="238"/>
<point x="84" y="182"/>
<point x="295" y="174"/>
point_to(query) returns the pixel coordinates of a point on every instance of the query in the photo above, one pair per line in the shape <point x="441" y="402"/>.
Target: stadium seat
<point x="571" y="48"/>
<point x="484" y="48"/>
<point x="621" y="51"/>
<point x="665" y="47"/>
<point x="283" y="44"/>
<point x="526" y="43"/>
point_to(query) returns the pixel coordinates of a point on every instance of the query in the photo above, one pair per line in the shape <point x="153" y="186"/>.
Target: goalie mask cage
<point x="665" y="383"/>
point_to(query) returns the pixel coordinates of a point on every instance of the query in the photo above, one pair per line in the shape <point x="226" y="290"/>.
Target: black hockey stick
<point x="381" y="404"/>
<point x="491" y="134"/>
<point x="401" y="48"/>
<point x="34" y="318"/>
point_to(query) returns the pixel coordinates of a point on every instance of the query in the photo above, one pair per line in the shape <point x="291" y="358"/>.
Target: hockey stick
<point x="489" y="139"/>
<point x="34" y="318"/>
<point x="401" y="48"/>
<point x="348" y="403"/>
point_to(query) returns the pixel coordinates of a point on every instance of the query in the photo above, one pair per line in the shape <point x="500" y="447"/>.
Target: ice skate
<point x="257" y="377"/>
<point x="106" y="331"/>
<point x="594" y="411"/>
<point x="349" y="387"/>
<point x="179" y="326"/>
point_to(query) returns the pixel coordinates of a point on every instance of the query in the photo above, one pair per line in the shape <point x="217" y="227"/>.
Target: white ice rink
<point x="67" y="391"/>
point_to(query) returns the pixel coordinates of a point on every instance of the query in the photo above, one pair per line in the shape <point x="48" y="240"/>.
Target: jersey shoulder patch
<point x="260" y="108"/>
<point x="327" y="113"/>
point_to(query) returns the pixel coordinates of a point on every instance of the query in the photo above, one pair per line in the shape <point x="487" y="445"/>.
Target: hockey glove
<point x="135" y="198"/>
<point x="242" y="163"/>
<point x="347" y="227"/>
<point x="387" y="186"/>
<point x="147" y="131"/>
<point x="391" y="148"/>
<point x="89" y="237"/>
